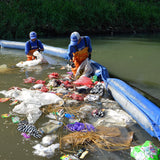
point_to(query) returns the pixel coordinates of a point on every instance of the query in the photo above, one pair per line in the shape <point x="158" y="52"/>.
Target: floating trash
<point x="50" y="127"/>
<point x="43" y="151"/>
<point x="15" y="119"/>
<point x="6" y="115"/>
<point x="25" y="135"/>
<point x="68" y="157"/>
<point x="13" y="103"/>
<point x="83" y="127"/>
<point x="98" y="113"/>
<point x="40" y="82"/>
<point x="69" y="116"/>
<point x="29" y="80"/>
<point x="107" y="138"/>
<point x="147" y="151"/>
<point x="2" y="100"/>
<point x="48" y="139"/>
<point x="53" y="75"/>
<point x="23" y="126"/>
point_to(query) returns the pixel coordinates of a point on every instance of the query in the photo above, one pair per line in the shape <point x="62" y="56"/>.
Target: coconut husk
<point x="106" y="138"/>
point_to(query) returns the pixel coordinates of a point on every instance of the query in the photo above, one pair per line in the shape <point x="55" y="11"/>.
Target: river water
<point x="134" y="59"/>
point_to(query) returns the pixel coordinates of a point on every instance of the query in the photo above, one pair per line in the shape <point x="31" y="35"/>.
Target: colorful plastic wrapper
<point x="29" y="80"/>
<point x="69" y="116"/>
<point x="4" y="99"/>
<point x="147" y="151"/>
<point x="6" y="115"/>
<point x="53" y="75"/>
<point x="13" y="103"/>
<point x="84" y="127"/>
<point x="68" y="157"/>
<point x="15" y="119"/>
<point x="83" y="81"/>
<point x="25" y="135"/>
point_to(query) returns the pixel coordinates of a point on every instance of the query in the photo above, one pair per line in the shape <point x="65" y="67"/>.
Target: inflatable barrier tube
<point x="140" y="108"/>
<point x="54" y="51"/>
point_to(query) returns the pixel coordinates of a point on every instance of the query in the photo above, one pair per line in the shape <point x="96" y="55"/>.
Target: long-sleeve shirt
<point x="80" y="46"/>
<point x="37" y="44"/>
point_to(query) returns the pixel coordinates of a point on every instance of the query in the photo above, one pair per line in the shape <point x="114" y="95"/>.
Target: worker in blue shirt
<point x="78" y="50"/>
<point x="32" y="45"/>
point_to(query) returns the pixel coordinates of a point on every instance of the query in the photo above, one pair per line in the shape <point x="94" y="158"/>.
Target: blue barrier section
<point x="12" y="44"/>
<point x="143" y="108"/>
<point x="54" y="51"/>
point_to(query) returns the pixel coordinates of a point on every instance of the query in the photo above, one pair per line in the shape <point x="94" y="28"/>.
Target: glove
<point x="39" y="50"/>
<point x="72" y="64"/>
<point x="89" y="56"/>
<point x="35" y="57"/>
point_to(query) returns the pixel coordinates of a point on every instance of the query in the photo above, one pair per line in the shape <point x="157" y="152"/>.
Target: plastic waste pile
<point x="79" y="110"/>
<point x="40" y="59"/>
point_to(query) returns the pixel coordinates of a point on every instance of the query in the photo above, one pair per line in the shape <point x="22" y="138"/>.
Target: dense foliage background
<point x="61" y="17"/>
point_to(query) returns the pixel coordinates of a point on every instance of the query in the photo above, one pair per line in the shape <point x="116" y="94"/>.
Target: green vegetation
<point x="59" y="17"/>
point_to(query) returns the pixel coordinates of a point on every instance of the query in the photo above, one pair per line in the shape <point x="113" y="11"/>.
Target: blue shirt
<point x="80" y="46"/>
<point x="33" y="45"/>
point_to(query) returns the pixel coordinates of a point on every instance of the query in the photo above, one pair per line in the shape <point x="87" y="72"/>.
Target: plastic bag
<point x="80" y="127"/>
<point x="29" y="80"/>
<point x="44" y="89"/>
<point x="91" y="97"/>
<point x="48" y="152"/>
<point x="83" y="81"/>
<point x="4" y="99"/>
<point x="68" y="157"/>
<point x="77" y="97"/>
<point x="23" y="126"/>
<point x="40" y="82"/>
<point x="85" y="69"/>
<point x="53" y="75"/>
<point x="48" y="139"/>
<point x="147" y="151"/>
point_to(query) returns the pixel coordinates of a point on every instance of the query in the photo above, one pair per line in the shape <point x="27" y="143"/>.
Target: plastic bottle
<point x="83" y="154"/>
<point x="69" y="116"/>
<point x="15" y="119"/>
<point x="79" y="153"/>
<point x="51" y="127"/>
<point x="60" y="112"/>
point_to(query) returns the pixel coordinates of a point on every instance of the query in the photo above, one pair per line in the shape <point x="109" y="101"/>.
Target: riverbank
<point x="60" y="17"/>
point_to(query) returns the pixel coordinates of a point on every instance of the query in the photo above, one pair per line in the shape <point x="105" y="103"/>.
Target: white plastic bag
<point x="48" y="152"/>
<point x="48" y="139"/>
<point x="84" y="69"/>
